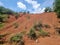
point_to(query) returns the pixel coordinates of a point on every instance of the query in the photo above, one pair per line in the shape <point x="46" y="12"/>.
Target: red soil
<point x="45" y="18"/>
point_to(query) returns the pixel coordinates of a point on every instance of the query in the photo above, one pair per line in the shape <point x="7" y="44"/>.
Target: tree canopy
<point x="57" y="7"/>
<point x="48" y="9"/>
<point x="4" y="10"/>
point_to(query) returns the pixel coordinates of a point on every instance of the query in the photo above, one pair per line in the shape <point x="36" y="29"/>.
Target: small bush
<point x="15" y="39"/>
<point x="32" y="34"/>
<point x="24" y="12"/>
<point x="27" y="12"/>
<point x="16" y="16"/>
<point x="43" y="33"/>
<point x="16" y="25"/>
<point x="1" y="19"/>
<point x="8" y="17"/>
<point x="47" y="26"/>
<point x="48" y="9"/>
<point x="38" y="26"/>
<point x="18" y="38"/>
<point x="57" y="30"/>
<point x="1" y="25"/>
<point x="21" y="42"/>
<point x="2" y="39"/>
<point x="2" y="42"/>
<point x="1" y="36"/>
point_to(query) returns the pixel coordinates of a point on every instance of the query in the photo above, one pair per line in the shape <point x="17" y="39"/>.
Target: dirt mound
<point x="26" y="22"/>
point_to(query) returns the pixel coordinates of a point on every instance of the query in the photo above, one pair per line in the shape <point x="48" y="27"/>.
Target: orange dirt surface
<point x="24" y="21"/>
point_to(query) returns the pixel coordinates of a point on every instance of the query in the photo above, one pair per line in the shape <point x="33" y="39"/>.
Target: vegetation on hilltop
<point x="57" y="7"/>
<point x="48" y="9"/>
<point x="4" y="10"/>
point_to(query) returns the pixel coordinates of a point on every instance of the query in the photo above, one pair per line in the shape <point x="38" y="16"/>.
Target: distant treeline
<point x="4" y="10"/>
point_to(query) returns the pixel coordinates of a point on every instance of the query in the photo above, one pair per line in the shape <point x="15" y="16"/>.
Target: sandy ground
<point x="24" y="21"/>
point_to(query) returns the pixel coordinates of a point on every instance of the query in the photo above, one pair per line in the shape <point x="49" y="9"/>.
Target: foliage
<point x="43" y="33"/>
<point x="48" y="9"/>
<point x="1" y="36"/>
<point x="21" y="42"/>
<point x="16" y="25"/>
<point x="1" y="25"/>
<point x="47" y="26"/>
<point x="24" y="12"/>
<point x="28" y="12"/>
<point x="1" y="19"/>
<point x="38" y="26"/>
<point x="32" y="34"/>
<point x="2" y="42"/>
<point x="58" y="30"/>
<point x="16" y="15"/>
<point x="4" y="10"/>
<point x="57" y="7"/>
<point x="18" y="38"/>
<point x="2" y="39"/>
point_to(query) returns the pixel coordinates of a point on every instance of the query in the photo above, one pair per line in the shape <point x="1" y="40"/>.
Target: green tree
<point x="57" y="7"/>
<point x="4" y="10"/>
<point x="48" y="9"/>
<point x="1" y="19"/>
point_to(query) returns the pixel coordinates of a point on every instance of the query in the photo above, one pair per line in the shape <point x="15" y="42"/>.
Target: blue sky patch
<point x="34" y="6"/>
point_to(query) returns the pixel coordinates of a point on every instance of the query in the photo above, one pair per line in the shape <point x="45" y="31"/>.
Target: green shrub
<point x="18" y="39"/>
<point x="58" y="30"/>
<point x="21" y="42"/>
<point x="32" y="34"/>
<point x="24" y="12"/>
<point x="57" y="7"/>
<point x="16" y="25"/>
<point x="28" y="12"/>
<point x="3" y="18"/>
<point x="1" y="36"/>
<point x="47" y="26"/>
<point x="15" y="39"/>
<point x="1" y="25"/>
<point x="38" y="26"/>
<point x="2" y="39"/>
<point x="16" y="16"/>
<point x="2" y="42"/>
<point x="43" y="33"/>
<point x="4" y="10"/>
<point x="48" y="9"/>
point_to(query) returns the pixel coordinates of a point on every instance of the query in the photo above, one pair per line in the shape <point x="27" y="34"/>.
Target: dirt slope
<point x="28" y="21"/>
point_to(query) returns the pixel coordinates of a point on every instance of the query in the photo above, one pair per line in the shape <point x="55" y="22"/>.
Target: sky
<point x="33" y="6"/>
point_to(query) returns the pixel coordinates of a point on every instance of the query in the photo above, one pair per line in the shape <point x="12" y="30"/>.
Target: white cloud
<point x="21" y="5"/>
<point x="38" y="10"/>
<point x="1" y="4"/>
<point x="36" y="6"/>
